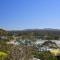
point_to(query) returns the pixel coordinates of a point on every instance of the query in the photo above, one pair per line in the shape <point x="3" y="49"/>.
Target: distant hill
<point x="35" y="33"/>
<point x="46" y="33"/>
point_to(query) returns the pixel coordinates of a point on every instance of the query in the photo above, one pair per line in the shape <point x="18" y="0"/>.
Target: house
<point x="3" y="37"/>
<point x="21" y="42"/>
<point x="35" y="59"/>
<point x="25" y="42"/>
<point x="47" y="46"/>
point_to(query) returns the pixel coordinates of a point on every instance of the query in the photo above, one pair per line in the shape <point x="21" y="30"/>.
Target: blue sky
<point x="29" y="14"/>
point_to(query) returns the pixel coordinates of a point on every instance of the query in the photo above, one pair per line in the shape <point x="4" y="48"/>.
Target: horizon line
<point x="29" y="29"/>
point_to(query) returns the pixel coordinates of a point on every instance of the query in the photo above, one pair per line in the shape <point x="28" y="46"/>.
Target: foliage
<point x="20" y="53"/>
<point x="24" y="52"/>
<point x="45" y="56"/>
<point x="3" y="55"/>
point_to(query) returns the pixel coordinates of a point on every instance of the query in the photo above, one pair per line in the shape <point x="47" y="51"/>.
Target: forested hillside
<point x="38" y="33"/>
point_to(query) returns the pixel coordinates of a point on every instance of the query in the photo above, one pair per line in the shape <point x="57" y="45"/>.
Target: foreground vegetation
<point x="45" y="55"/>
<point x="24" y="52"/>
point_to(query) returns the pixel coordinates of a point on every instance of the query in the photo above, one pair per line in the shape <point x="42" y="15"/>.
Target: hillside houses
<point x="3" y="37"/>
<point x="47" y="46"/>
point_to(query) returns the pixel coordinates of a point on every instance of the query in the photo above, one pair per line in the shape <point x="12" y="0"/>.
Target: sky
<point x="29" y="14"/>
